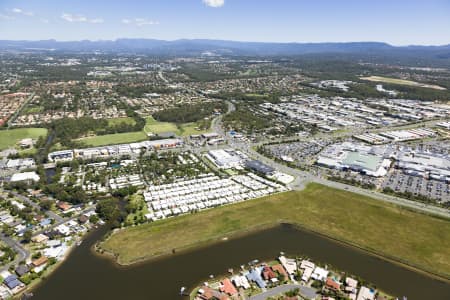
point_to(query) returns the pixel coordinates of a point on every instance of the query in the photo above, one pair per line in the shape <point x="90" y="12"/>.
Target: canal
<point x="86" y="276"/>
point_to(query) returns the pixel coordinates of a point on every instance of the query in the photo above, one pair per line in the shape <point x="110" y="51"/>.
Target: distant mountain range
<point x="199" y="46"/>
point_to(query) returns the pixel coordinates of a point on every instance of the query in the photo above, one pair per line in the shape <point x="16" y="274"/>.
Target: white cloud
<point x="4" y="17"/>
<point x="214" y="3"/>
<point x="139" y="22"/>
<point x="46" y="21"/>
<point x="22" y="12"/>
<point x="80" y="19"/>
<point x="96" y="21"/>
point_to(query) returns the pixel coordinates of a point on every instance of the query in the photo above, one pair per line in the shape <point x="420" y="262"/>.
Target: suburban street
<point x="28" y="201"/>
<point x="21" y="253"/>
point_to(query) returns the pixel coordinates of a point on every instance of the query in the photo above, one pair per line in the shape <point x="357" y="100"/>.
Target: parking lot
<point x="298" y="152"/>
<point x="400" y="182"/>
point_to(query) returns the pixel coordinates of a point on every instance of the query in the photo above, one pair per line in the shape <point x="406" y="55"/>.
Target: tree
<point x="108" y="209"/>
<point x="27" y="235"/>
<point x="93" y="219"/>
<point x="46" y="205"/>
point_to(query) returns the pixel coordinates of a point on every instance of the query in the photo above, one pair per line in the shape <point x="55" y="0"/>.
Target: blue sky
<point x="399" y="22"/>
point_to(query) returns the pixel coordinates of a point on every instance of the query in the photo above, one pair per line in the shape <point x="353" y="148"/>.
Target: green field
<point x="190" y="128"/>
<point x="129" y="137"/>
<point x="9" y="138"/>
<point x="417" y="239"/>
<point x="401" y="82"/>
<point x="153" y="126"/>
<point x="185" y="129"/>
<point x="116" y="138"/>
<point x="117" y="121"/>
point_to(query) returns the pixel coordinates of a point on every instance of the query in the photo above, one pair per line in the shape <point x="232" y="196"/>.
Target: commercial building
<point x="425" y="164"/>
<point x="114" y="150"/>
<point x="226" y="158"/>
<point x="370" y="160"/>
<point x="259" y="167"/>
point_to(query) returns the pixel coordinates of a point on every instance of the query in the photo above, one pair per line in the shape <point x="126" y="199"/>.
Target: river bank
<point x="419" y="241"/>
<point x="89" y="276"/>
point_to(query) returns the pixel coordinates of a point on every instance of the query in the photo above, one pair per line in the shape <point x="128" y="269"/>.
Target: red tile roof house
<point x="268" y="274"/>
<point x="63" y="205"/>
<point x="40" y="261"/>
<point x="228" y="287"/>
<point x="208" y="293"/>
<point x="280" y="270"/>
<point x="333" y="285"/>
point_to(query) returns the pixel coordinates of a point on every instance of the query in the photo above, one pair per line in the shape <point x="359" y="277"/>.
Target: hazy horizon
<point x="217" y="39"/>
<point x="397" y="23"/>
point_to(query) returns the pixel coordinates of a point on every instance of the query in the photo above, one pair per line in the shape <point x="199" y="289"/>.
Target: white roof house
<point x="366" y="294"/>
<point x="319" y="274"/>
<point x="25" y="176"/>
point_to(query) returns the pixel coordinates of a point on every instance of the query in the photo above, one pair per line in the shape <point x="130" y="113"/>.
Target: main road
<point x="302" y="178"/>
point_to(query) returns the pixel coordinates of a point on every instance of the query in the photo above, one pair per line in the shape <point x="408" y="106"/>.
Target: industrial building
<point x="395" y="136"/>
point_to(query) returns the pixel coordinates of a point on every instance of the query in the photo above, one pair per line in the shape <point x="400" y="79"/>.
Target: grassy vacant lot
<point x="151" y="125"/>
<point x="401" y="82"/>
<point x="9" y="138"/>
<point x="417" y="239"/>
<point x="185" y="129"/>
<point x="129" y="137"/>
<point x="117" y="121"/>
<point x="116" y="138"/>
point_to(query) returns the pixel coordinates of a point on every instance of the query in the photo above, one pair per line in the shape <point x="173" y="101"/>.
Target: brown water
<point x="87" y="276"/>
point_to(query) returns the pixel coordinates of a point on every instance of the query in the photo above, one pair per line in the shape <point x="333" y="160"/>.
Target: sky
<point x="398" y="22"/>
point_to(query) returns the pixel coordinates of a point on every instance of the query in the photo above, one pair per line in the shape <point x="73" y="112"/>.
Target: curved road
<point x="22" y="253"/>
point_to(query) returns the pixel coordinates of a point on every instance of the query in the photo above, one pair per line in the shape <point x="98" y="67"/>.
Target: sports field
<point x="402" y="82"/>
<point x="10" y="138"/>
<point x="410" y="237"/>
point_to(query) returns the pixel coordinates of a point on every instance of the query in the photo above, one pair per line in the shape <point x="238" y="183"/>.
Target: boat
<point x="183" y="288"/>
